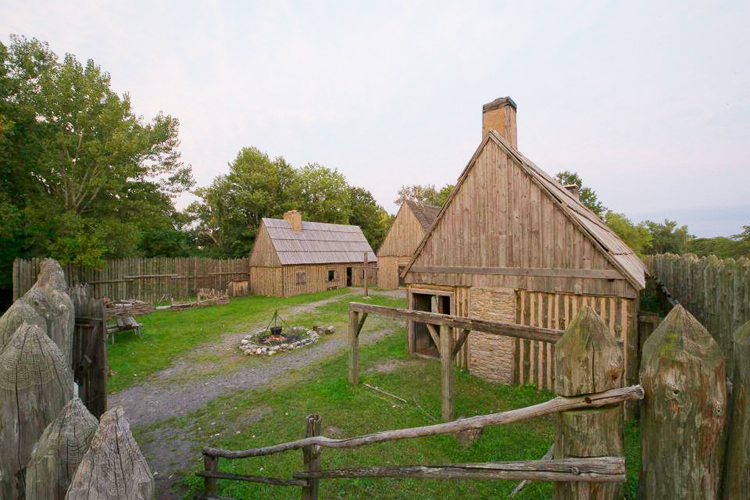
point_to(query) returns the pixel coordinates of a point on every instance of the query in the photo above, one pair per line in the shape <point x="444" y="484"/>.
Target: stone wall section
<point x="491" y="356"/>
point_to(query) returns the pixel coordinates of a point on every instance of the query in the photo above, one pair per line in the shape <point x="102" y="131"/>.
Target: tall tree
<point x="427" y="193"/>
<point x="368" y="215"/>
<point x="322" y="194"/>
<point x="637" y="237"/>
<point x="668" y="237"/>
<point x="587" y="195"/>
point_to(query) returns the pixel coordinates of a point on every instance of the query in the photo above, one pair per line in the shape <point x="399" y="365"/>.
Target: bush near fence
<point x="716" y="291"/>
<point x="147" y="279"/>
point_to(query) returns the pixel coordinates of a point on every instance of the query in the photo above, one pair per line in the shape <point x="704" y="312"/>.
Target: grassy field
<point x="251" y="418"/>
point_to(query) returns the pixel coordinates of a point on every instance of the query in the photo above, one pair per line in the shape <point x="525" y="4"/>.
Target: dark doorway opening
<point x="424" y="345"/>
<point x="348" y="276"/>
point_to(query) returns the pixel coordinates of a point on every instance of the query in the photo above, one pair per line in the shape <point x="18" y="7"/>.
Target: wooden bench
<point x="124" y="323"/>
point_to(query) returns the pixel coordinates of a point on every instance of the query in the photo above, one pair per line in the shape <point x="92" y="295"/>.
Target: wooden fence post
<point x="588" y="360"/>
<point x="311" y="457"/>
<point x="210" y="484"/>
<point x="737" y="466"/>
<point x="364" y="273"/>
<point x="446" y="372"/>
<point x="353" y="347"/>
<point x="683" y="373"/>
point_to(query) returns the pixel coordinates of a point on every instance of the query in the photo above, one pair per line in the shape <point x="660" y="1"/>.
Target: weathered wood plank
<point x="311" y="457"/>
<point x="682" y="417"/>
<point x="353" y="347"/>
<point x="737" y="467"/>
<point x="605" y="274"/>
<point x="602" y="469"/>
<point x="274" y="481"/>
<point x="462" y="322"/>
<point x="555" y="405"/>
<point x="446" y="373"/>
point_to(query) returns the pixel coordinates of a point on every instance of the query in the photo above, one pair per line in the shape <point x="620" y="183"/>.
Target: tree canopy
<point x="587" y="195"/>
<point x="427" y="193"/>
<point x="82" y="175"/>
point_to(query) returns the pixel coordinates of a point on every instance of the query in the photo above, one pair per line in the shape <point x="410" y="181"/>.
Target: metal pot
<point x="276" y="330"/>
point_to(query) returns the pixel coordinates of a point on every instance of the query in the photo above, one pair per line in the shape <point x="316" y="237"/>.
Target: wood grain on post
<point x="364" y="277"/>
<point x="588" y="360"/>
<point x="446" y="373"/>
<point x="113" y="467"/>
<point x="311" y="457"/>
<point x="737" y="466"/>
<point x="682" y="418"/>
<point x="35" y="384"/>
<point x="353" y="347"/>
<point x="59" y="452"/>
<point x="211" y="466"/>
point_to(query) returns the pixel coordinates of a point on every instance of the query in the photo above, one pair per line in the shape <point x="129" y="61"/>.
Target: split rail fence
<point x="147" y="279"/>
<point x="716" y="291"/>
<point x="588" y="401"/>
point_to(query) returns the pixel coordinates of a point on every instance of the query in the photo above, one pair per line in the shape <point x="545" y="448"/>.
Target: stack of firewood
<point x="127" y="307"/>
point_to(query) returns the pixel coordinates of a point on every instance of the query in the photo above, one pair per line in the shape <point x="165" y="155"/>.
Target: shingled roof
<point x="424" y="212"/>
<point x="318" y="243"/>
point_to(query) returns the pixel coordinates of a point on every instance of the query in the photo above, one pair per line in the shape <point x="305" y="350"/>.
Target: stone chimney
<point x="294" y="219"/>
<point x="500" y="116"/>
<point x="573" y="189"/>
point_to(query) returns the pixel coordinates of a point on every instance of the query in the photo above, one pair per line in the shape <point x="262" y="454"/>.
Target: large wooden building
<point x="512" y="244"/>
<point x="292" y="256"/>
<point x="409" y="227"/>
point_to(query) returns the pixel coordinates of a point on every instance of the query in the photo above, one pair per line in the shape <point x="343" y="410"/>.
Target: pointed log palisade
<point x="683" y="373"/>
<point x="16" y="315"/>
<point x="59" y="452"/>
<point x="737" y="467"/>
<point x="588" y="360"/>
<point x="113" y="467"/>
<point x="35" y="384"/>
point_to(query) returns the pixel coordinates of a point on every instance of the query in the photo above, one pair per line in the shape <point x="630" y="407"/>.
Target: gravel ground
<point x="168" y="452"/>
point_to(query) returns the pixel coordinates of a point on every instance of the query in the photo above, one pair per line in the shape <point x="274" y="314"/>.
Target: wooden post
<point x="683" y="373"/>
<point x="588" y="360"/>
<point x="446" y="372"/>
<point x="353" y="347"/>
<point x="737" y="467"/>
<point x="210" y="464"/>
<point x="311" y="457"/>
<point x="365" y="275"/>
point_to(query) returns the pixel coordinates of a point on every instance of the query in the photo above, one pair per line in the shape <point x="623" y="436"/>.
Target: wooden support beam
<point x="446" y="373"/>
<point x="434" y="334"/>
<point x="211" y="467"/>
<point x="462" y="322"/>
<point x="602" y="470"/>
<point x="364" y="277"/>
<point x="608" y="274"/>
<point x="353" y="347"/>
<point x="555" y="405"/>
<point x="461" y="340"/>
<point x="274" y="481"/>
<point x="311" y="457"/>
<point x="361" y="323"/>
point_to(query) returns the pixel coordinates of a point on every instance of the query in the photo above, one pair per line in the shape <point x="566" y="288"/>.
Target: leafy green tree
<point x="231" y="208"/>
<point x="82" y="175"/>
<point x="427" y="193"/>
<point x="587" y="195"/>
<point x="322" y="194"/>
<point x="368" y="215"/>
<point x="637" y="237"/>
<point x="668" y="237"/>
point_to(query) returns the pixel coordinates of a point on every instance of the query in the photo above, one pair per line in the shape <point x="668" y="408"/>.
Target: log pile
<point x="127" y="307"/>
<point x="206" y="297"/>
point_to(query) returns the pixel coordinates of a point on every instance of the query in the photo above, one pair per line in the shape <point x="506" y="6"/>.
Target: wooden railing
<point x="587" y="400"/>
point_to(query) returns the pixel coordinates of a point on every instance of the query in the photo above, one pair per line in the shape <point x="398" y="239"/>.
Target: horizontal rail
<point x="558" y="404"/>
<point x="605" y="274"/>
<point x="592" y="470"/>
<point x="275" y="481"/>
<point x="464" y="323"/>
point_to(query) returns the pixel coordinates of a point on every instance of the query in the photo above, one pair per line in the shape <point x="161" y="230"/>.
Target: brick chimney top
<point x="573" y="189"/>
<point x="294" y="219"/>
<point x="500" y="116"/>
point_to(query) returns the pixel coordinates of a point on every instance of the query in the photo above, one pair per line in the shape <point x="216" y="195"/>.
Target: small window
<point x="331" y="275"/>
<point x="301" y="277"/>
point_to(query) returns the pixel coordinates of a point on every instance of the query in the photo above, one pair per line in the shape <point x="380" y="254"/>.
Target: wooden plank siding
<point x="534" y="360"/>
<point x="399" y="244"/>
<point x="500" y="218"/>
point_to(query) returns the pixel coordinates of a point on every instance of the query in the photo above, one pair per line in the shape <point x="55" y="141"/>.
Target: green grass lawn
<point x="249" y="419"/>
<point x="166" y="335"/>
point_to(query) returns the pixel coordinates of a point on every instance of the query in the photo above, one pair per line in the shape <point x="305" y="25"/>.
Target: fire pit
<point x="273" y="339"/>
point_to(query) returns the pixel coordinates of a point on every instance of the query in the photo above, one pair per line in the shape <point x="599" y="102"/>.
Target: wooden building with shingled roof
<point x="412" y="222"/>
<point x="512" y="244"/>
<point x="292" y="256"/>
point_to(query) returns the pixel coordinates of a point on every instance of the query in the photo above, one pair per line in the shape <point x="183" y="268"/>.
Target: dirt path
<point x="170" y="451"/>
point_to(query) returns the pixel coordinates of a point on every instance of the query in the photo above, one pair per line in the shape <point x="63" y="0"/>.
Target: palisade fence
<point x="716" y="291"/>
<point x="147" y="279"/>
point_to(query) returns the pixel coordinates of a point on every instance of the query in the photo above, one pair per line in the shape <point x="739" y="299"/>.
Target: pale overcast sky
<point x="648" y="101"/>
